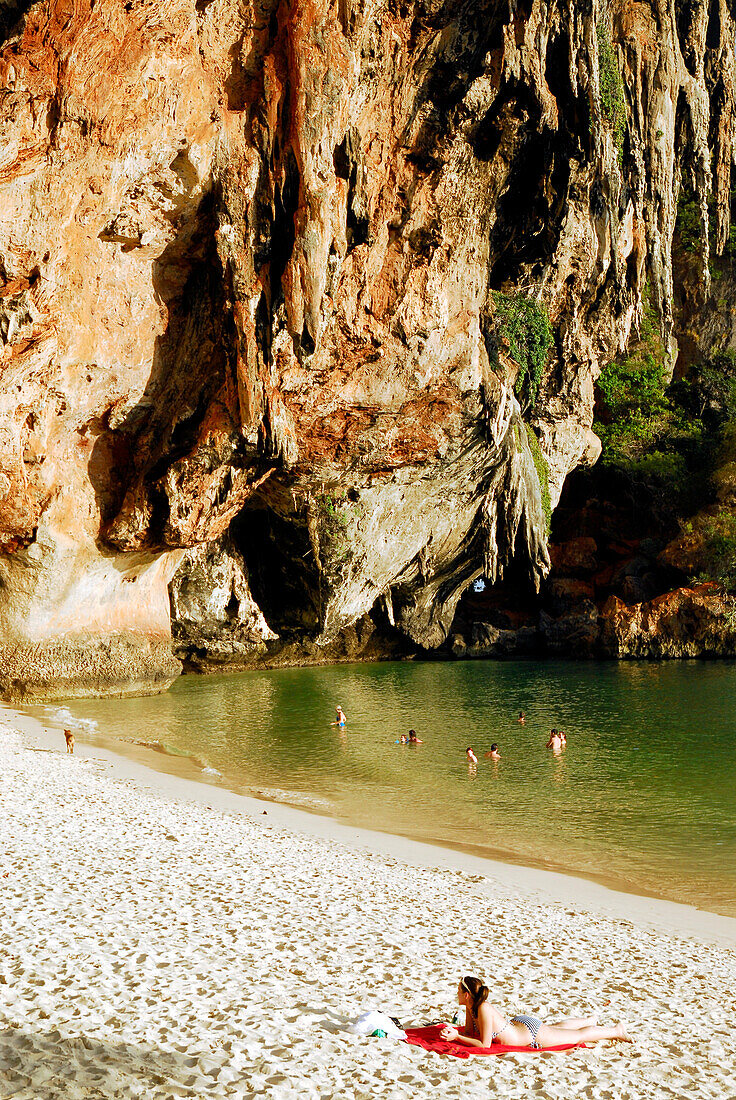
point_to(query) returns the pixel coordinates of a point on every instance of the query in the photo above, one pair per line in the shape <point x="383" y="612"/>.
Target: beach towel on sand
<point x="429" y="1038"/>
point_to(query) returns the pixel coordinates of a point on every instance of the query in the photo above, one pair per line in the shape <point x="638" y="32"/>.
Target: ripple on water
<point x="643" y="794"/>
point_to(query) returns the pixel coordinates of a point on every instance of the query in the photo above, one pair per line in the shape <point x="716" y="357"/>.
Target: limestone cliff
<point x="249" y="252"/>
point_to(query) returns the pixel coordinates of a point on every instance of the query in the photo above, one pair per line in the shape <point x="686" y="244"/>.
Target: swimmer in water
<point x="472" y="758"/>
<point x="413" y="739"/>
<point x="403" y="740"/>
<point x="494" y="754"/>
<point x="340" y="717"/>
<point x="555" y="741"/>
<point x="522" y="718"/>
<point x="563" y="738"/>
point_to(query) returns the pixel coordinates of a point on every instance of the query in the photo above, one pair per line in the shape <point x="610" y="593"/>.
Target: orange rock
<point x="575" y="556"/>
<point x="688" y="622"/>
<point x="247" y="251"/>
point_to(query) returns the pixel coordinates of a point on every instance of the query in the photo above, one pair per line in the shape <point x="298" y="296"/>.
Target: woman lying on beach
<point x="485" y="1025"/>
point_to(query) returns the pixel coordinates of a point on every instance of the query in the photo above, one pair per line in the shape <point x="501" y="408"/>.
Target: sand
<point x="162" y="939"/>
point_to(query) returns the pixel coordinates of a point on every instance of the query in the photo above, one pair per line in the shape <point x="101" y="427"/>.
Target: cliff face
<point x="248" y="255"/>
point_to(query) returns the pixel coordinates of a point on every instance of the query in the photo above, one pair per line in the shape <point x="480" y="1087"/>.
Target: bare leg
<point x="576" y="1022"/>
<point x="553" y="1035"/>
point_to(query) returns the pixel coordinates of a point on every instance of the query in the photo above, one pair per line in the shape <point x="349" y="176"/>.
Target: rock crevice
<point x="246" y="253"/>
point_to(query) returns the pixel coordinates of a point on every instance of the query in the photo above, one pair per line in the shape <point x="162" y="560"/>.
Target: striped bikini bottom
<point x="533" y="1023"/>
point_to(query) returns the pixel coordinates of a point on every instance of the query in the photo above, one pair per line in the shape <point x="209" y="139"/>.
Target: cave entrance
<point x="282" y="572"/>
<point x="508" y="604"/>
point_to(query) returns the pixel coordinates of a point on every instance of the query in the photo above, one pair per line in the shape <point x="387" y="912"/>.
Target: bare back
<point x="488" y="1023"/>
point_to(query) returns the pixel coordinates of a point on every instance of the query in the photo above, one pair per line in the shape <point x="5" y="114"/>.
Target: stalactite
<point x="260" y="254"/>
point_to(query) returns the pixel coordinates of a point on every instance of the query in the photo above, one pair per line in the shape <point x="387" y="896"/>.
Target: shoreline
<point x="166" y="939"/>
<point x="182" y="779"/>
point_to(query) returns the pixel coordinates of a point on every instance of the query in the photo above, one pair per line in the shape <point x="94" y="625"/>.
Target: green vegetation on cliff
<point x="719" y="549"/>
<point x="689" y="232"/>
<point x="525" y="325"/>
<point x="675" y="443"/>
<point x="540" y="465"/>
<point x="336" y="517"/>
<point x="643" y="431"/>
<point x="613" y="104"/>
<point x="632" y="398"/>
<point x="688" y="227"/>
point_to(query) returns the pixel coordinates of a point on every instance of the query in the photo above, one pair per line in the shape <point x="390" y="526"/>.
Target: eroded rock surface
<point x="216" y="620"/>
<point x="247" y="256"/>
<point x="687" y="622"/>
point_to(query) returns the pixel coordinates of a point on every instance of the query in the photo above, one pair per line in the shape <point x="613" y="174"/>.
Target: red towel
<point x="429" y="1038"/>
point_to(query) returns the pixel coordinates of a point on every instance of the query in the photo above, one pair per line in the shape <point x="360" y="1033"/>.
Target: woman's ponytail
<point x="478" y="992"/>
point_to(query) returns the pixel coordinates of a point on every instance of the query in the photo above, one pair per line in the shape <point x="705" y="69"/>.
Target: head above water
<point x="494" y="747"/>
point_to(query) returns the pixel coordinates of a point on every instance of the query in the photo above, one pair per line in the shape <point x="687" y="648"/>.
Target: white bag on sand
<point x="376" y="1021"/>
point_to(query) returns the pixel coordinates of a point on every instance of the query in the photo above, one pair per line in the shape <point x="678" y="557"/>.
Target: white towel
<point x="373" y="1020"/>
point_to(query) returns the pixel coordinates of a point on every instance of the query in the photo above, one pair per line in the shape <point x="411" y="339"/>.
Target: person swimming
<point x="522" y="718"/>
<point x="472" y="758"/>
<point x="340" y="717"/>
<point x="555" y="741"/>
<point x="413" y="739"/>
<point x="494" y="754"/>
<point x="486" y="1024"/>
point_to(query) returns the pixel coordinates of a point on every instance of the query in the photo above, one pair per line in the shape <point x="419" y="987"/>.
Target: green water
<point x="641" y="798"/>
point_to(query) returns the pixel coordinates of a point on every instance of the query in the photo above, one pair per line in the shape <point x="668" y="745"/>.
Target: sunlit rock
<point x="248" y="257"/>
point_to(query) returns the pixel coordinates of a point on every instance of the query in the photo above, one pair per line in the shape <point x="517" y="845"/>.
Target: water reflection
<point x="643" y="791"/>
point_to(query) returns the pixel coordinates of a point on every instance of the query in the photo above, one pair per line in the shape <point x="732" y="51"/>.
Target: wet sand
<point x="165" y="938"/>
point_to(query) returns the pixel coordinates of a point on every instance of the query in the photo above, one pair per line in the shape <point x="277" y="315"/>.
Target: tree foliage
<point x="675" y="444"/>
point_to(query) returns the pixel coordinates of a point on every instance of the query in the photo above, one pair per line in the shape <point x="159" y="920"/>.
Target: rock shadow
<point x="11" y="12"/>
<point x="192" y="370"/>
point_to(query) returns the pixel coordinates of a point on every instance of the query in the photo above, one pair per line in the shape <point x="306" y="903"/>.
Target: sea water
<point x="642" y="797"/>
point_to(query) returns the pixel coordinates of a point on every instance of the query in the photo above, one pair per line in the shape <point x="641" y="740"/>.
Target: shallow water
<point x="642" y="798"/>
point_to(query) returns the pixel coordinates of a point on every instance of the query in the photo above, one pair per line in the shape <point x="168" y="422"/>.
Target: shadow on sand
<point x="50" y="1064"/>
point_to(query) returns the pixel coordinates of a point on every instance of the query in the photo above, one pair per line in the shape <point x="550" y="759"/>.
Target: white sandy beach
<point x="164" y="939"/>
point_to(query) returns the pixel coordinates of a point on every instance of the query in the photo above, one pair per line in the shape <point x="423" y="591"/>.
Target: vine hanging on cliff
<point x="524" y="324"/>
<point x="540" y="465"/>
<point x="613" y="104"/>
